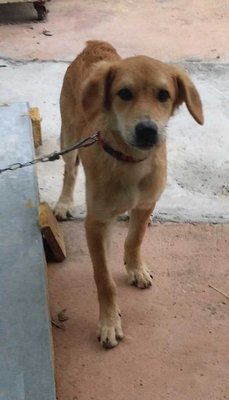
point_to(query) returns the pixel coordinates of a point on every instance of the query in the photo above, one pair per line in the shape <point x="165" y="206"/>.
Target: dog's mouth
<point x="144" y="146"/>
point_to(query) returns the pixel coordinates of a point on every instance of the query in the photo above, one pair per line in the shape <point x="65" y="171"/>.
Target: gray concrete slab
<point x="26" y="370"/>
<point x="198" y="181"/>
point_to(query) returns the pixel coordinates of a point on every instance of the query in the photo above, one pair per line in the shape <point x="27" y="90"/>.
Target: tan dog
<point x="130" y="102"/>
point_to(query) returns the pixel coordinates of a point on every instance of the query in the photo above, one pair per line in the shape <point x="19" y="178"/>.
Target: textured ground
<point x="171" y="30"/>
<point x="176" y="343"/>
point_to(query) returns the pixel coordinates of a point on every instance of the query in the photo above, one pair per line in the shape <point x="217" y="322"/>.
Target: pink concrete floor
<point x="176" y="333"/>
<point x="164" y="29"/>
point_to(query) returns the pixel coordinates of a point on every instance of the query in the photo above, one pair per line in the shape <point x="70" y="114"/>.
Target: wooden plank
<point x="15" y="1"/>
<point x="36" y="124"/>
<point x="23" y="1"/>
<point x="51" y="233"/>
<point x="26" y="362"/>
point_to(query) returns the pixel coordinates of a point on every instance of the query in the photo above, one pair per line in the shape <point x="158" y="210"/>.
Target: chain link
<point x="52" y="156"/>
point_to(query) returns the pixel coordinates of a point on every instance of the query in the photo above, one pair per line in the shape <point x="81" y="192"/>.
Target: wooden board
<point x="15" y="1"/>
<point x="22" y="1"/>
<point x="36" y="124"/>
<point x="51" y="233"/>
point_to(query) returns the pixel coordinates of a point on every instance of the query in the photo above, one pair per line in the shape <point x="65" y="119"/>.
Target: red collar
<point x="114" y="153"/>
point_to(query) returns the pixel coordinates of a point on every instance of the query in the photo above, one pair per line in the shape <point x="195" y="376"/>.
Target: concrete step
<point x="26" y="362"/>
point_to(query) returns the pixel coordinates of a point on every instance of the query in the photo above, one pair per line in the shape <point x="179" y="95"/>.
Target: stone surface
<point x="165" y="29"/>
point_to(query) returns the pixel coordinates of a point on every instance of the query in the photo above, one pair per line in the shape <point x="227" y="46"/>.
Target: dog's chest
<point x="126" y="190"/>
<point x="118" y="188"/>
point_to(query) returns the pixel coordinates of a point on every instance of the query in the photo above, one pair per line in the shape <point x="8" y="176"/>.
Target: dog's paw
<point x="64" y="211"/>
<point x="140" y="278"/>
<point x="109" y="334"/>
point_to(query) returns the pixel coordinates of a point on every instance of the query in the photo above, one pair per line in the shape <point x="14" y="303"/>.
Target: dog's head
<point x="138" y="95"/>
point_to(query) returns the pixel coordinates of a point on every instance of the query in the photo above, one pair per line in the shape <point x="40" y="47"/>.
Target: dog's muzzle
<point x="146" y="134"/>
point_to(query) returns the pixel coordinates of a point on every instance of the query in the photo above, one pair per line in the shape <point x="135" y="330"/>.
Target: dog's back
<point x="79" y="69"/>
<point x="96" y="51"/>
<point x="77" y="72"/>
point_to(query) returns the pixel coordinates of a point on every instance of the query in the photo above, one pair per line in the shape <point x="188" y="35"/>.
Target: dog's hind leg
<point x="138" y="274"/>
<point x="65" y="205"/>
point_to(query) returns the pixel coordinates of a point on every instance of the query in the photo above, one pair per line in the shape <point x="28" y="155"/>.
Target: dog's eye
<point x="163" y="95"/>
<point x="125" y="94"/>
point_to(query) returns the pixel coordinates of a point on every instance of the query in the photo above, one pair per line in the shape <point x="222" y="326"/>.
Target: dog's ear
<point x="95" y="93"/>
<point x="187" y="92"/>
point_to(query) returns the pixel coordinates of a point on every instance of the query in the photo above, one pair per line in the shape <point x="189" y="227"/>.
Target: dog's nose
<point x="146" y="133"/>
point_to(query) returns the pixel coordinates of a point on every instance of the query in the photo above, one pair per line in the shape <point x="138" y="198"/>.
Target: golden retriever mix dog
<point x="129" y="102"/>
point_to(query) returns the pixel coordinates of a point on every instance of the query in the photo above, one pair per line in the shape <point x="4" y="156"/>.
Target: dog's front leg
<point x="138" y="274"/>
<point x="109" y="330"/>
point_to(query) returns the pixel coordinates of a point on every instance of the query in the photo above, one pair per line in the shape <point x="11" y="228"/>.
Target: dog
<point x="129" y="102"/>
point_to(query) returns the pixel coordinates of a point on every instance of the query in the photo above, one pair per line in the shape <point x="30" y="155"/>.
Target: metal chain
<point x="52" y="156"/>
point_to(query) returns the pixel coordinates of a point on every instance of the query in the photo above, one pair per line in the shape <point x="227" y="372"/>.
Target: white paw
<point x="140" y="278"/>
<point x="109" y="333"/>
<point x="64" y="211"/>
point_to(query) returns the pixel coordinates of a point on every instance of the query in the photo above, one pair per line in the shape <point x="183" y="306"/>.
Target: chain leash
<point x="52" y="156"/>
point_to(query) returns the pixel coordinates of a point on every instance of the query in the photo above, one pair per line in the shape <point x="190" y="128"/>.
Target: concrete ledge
<point x="26" y="365"/>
